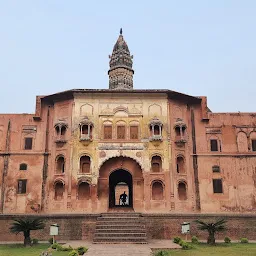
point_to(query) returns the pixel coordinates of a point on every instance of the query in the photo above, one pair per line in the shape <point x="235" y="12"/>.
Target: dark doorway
<point x="117" y="178"/>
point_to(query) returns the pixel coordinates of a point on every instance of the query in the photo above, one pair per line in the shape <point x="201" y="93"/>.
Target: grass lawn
<point x="20" y="250"/>
<point x="219" y="249"/>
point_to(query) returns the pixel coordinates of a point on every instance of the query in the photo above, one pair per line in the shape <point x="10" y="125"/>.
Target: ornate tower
<point x="120" y="72"/>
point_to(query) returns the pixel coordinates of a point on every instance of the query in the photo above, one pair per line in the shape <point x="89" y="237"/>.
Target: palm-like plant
<point x="212" y="228"/>
<point x="26" y="225"/>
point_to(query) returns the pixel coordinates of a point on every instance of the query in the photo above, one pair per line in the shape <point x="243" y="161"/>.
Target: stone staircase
<point x="120" y="228"/>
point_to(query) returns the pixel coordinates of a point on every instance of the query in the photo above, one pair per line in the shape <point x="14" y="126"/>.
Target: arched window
<point x="156" y="164"/>
<point x="60" y="132"/>
<point x="63" y="130"/>
<point x="23" y="167"/>
<point x="253" y="141"/>
<point x="180" y="131"/>
<point x="57" y="130"/>
<point x="177" y="131"/>
<point x="59" y="190"/>
<point x="86" y="130"/>
<point x="157" y="191"/>
<point x="60" y="165"/>
<point x="156" y="127"/>
<point x="85" y="164"/>
<point x="180" y="165"/>
<point x="182" y="191"/>
<point x="157" y="130"/>
<point x="83" y="191"/>
<point x="120" y="132"/>
<point x="107" y="132"/>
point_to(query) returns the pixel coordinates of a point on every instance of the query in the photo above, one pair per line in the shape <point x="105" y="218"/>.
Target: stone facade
<point x="174" y="154"/>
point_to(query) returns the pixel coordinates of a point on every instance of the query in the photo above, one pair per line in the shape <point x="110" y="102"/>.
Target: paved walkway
<point x="123" y="249"/>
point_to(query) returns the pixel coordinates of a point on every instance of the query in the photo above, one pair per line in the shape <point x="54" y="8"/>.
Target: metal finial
<point x="121" y="31"/>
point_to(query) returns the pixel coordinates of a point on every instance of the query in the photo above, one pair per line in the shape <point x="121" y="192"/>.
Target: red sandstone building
<point x="82" y="148"/>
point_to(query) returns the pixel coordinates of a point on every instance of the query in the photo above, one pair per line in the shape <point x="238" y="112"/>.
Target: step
<point x="121" y="214"/>
<point x="118" y="218"/>
<point x="120" y="240"/>
<point x="120" y="230"/>
<point x="118" y="227"/>
<point x="121" y="220"/>
<point x="98" y="235"/>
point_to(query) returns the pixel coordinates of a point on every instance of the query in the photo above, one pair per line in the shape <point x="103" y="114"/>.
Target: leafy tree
<point x="25" y="225"/>
<point x="212" y="228"/>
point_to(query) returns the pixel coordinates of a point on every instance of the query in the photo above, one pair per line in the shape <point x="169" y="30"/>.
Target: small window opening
<point x="85" y="164"/>
<point x="183" y="130"/>
<point x="59" y="191"/>
<point x="107" y="132"/>
<point x="156" y="164"/>
<point x="217" y="186"/>
<point x="253" y="145"/>
<point x="63" y="130"/>
<point x="156" y="130"/>
<point x="182" y="191"/>
<point x="214" y="145"/>
<point x="28" y="143"/>
<point x="85" y="129"/>
<point x="22" y="186"/>
<point x="157" y="191"/>
<point x="60" y="165"/>
<point x="177" y="131"/>
<point x="23" y="167"/>
<point x="215" y="168"/>
<point x="180" y="165"/>
<point x="83" y="191"/>
<point x="57" y="129"/>
<point x="134" y="132"/>
<point x="120" y="132"/>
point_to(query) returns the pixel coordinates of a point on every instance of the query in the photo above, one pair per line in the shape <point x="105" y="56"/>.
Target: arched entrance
<point x="120" y="183"/>
<point x="118" y="173"/>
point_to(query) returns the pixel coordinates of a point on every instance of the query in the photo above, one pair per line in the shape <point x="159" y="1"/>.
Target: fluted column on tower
<point x="120" y="72"/>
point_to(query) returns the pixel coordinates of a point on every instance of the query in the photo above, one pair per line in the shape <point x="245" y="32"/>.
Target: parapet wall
<point x="159" y="226"/>
<point x="166" y="226"/>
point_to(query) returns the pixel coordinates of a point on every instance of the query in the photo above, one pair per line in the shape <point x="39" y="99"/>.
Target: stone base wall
<point x="159" y="226"/>
<point x="166" y="226"/>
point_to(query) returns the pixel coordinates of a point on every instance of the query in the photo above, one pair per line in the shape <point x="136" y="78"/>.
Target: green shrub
<point x="67" y="249"/>
<point x="181" y="242"/>
<point x="81" y="250"/>
<point x="176" y="240"/>
<point x="73" y="253"/>
<point x="161" y="253"/>
<point x="194" y="240"/>
<point x="35" y="241"/>
<point x="227" y="240"/>
<point x="50" y="240"/>
<point x="244" y="240"/>
<point x="57" y="247"/>
<point x="186" y="246"/>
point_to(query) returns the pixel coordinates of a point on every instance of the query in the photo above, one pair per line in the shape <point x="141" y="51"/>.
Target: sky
<point x="199" y="47"/>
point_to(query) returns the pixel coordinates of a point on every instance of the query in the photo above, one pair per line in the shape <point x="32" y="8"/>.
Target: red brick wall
<point x="159" y="226"/>
<point x="71" y="227"/>
<point x="166" y="226"/>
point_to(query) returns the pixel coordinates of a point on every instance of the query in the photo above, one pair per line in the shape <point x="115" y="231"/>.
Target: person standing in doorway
<point x="123" y="198"/>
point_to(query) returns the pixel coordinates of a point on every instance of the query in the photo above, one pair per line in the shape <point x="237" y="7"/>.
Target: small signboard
<point x="54" y="230"/>
<point x="185" y="228"/>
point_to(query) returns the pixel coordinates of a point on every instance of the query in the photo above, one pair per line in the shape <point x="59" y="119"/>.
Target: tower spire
<point x="120" y="71"/>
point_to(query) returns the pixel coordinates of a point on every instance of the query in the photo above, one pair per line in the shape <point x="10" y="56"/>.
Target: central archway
<point x="118" y="180"/>
<point x="122" y="172"/>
